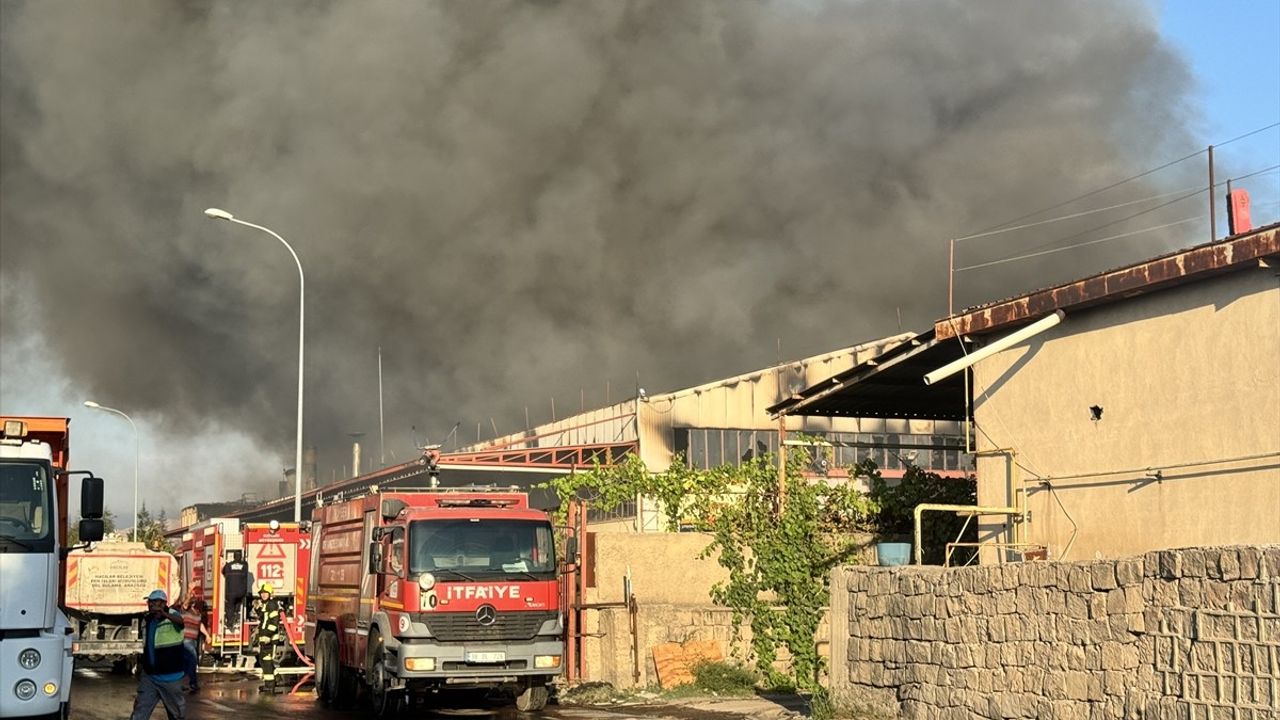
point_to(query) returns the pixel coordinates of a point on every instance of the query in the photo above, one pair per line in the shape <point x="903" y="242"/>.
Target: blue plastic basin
<point x="891" y="554"/>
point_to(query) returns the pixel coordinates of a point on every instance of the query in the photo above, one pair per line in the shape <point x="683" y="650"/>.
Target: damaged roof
<point x="891" y="385"/>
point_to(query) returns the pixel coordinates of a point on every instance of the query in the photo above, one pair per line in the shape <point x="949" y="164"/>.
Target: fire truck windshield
<point x="26" y="507"/>
<point x="482" y="547"/>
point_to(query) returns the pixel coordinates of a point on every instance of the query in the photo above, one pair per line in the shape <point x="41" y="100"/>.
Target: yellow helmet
<point x="266" y="588"/>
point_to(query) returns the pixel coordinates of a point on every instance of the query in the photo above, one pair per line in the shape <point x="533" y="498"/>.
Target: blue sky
<point x="1233" y="49"/>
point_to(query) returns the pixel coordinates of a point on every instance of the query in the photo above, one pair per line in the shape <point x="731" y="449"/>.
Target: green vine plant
<point x="778" y="553"/>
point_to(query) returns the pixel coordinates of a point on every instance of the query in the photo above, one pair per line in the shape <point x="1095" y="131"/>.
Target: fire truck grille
<point x="456" y="627"/>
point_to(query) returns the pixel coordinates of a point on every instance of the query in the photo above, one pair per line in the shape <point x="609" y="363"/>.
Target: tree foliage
<point x="150" y="530"/>
<point x="779" y="547"/>
<point x="896" y="502"/>
<point x="778" y="554"/>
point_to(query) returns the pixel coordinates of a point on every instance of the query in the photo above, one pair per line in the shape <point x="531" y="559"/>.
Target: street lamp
<point x="136" y="456"/>
<point x="217" y="214"/>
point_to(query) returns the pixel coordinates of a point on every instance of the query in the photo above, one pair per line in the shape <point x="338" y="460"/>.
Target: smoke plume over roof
<point x="521" y="198"/>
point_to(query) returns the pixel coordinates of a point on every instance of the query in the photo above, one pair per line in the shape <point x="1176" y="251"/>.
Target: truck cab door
<point x="368" y="586"/>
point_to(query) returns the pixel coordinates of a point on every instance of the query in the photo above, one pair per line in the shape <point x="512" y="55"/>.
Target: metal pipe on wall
<point x="922" y="508"/>
<point x="986" y="351"/>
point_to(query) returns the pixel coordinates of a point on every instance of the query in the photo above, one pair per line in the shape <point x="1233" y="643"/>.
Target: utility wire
<point x="1091" y="193"/>
<point x="1139" y="201"/>
<point x="1263" y="171"/>
<point x="1148" y="210"/>
<point x="1126" y="218"/>
<point x="1075" y="215"/>
<point x="1249" y="134"/>
<point x="1129" y="179"/>
<point x="1080" y="245"/>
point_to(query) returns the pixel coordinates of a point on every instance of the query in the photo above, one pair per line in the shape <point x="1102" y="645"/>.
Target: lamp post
<point x="217" y="214"/>
<point x="136" y="457"/>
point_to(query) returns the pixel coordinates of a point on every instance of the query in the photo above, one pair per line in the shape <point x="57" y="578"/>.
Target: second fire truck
<point x="414" y="592"/>
<point x="224" y="563"/>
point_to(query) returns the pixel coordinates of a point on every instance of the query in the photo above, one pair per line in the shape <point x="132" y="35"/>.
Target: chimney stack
<point x="1238" y="216"/>
<point x="355" y="458"/>
<point x="309" y="471"/>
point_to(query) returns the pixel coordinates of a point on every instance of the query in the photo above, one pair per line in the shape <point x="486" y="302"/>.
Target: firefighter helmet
<point x="266" y="588"/>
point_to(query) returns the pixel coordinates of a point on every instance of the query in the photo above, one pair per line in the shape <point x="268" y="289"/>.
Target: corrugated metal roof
<point x="1158" y="273"/>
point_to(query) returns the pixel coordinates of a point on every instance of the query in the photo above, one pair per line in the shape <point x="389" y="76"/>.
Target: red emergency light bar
<point x="477" y="502"/>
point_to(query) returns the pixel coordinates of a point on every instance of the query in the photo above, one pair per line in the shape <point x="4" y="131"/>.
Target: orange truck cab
<point x="415" y="592"/>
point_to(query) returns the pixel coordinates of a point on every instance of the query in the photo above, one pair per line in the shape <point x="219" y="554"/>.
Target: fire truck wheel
<point x="533" y="699"/>
<point x="385" y="703"/>
<point x="349" y="689"/>
<point x="327" y="667"/>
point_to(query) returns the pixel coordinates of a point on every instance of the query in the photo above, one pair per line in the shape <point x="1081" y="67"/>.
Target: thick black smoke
<point x="517" y="199"/>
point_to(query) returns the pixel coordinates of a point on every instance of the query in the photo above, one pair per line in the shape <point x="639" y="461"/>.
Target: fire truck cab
<point x="414" y="592"/>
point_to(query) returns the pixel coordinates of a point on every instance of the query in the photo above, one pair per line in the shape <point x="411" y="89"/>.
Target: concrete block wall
<point x="1188" y="633"/>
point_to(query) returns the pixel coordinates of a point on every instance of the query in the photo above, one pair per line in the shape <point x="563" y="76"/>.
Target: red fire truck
<point x="275" y="553"/>
<point x="418" y="591"/>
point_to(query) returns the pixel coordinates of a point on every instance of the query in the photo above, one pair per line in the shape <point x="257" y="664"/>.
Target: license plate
<point x="486" y="657"/>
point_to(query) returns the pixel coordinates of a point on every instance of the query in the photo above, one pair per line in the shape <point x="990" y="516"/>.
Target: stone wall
<point x="1190" y="633"/>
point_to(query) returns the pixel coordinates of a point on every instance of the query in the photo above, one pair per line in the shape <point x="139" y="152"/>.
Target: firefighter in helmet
<point x="270" y="634"/>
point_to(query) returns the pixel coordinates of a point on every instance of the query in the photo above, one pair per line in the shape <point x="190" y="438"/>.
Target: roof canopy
<point x="889" y="386"/>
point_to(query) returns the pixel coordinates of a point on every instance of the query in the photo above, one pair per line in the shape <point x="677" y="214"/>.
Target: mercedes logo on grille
<point x="486" y="615"/>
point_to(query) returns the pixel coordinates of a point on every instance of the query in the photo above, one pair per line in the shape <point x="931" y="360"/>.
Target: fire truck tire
<point x="385" y="702"/>
<point x="348" y="688"/>
<point x="328" y="668"/>
<point x="532" y="699"/>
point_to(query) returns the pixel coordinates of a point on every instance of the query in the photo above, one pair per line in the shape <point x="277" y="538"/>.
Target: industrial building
<point x="719" y="422"/>
<point x="1140" y="409"/>
<point x="726" y="422"/>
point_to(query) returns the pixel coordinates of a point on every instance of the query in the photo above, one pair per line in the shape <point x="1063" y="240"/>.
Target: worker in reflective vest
<point x="163" y="662"/>
<point x="270" y="634"/>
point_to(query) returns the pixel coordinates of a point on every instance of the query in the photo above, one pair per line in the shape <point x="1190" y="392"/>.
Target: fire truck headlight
<point x="50" y="689"/>
<point x="422" y="664"/>
<point x="25" y="689"/>
<point x="29" y="659"/>
<point x="426" y="581"/>
<point x="546" y="661"/>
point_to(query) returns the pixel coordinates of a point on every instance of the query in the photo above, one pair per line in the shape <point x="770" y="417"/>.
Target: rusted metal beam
<point x="567" y="456"/>
<point x="1148" y="276"/>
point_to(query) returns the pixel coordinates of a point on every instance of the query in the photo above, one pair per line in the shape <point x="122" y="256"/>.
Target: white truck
<point x="35" y="636"/>
<point x="106" y="584"/>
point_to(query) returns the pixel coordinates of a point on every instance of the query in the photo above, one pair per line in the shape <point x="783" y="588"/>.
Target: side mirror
<point x="91" y="530"/>
<point x="375" y="558"/>
<point x="91" y="499"/>
<point x="571" y="551"/>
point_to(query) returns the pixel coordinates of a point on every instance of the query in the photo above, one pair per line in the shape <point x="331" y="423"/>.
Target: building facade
<point x="727" y="422"/>
<point x="1147" y="417"/>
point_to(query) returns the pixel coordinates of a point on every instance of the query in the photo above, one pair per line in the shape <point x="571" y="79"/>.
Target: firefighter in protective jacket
<point x="270" y="634"/>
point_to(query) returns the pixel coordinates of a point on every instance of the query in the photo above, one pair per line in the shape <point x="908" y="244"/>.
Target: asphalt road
<point x="99" y="694"/>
